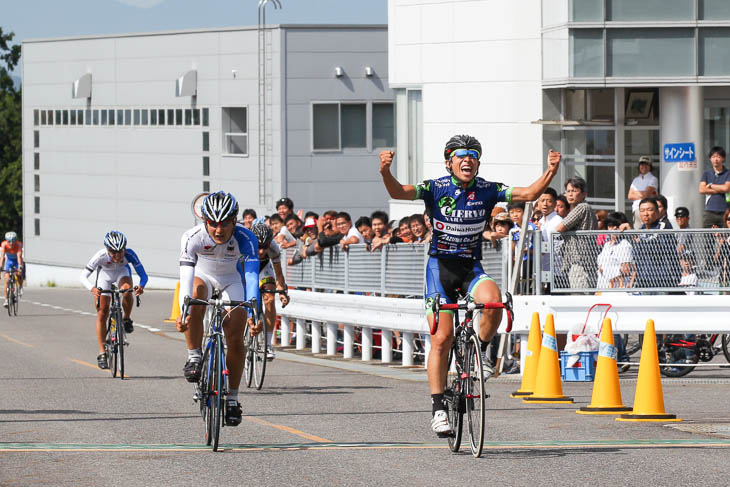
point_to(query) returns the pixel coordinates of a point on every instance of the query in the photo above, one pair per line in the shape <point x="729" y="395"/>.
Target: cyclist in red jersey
<point x="11" y="257"/>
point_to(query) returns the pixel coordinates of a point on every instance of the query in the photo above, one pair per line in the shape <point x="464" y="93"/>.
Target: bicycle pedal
<point x="450" y="434"/>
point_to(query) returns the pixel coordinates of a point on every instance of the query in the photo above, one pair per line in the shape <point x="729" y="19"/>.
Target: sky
<point x="42" y="19"/>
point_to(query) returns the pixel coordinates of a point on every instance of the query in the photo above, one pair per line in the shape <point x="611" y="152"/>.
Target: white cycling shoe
<point x="440" y="424"/>
<point x="270" y="354"/>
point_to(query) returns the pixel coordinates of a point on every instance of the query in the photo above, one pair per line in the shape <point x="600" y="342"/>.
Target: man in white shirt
<point x="345" y="227"/>
<point x="548" y="223"/>
<point x="644" y="185"/>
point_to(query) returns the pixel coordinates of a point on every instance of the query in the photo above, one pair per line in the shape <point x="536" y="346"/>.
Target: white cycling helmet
<point x="11" y="237"/>
<point x="115" y="241"/>
<point x="220" y="206"/>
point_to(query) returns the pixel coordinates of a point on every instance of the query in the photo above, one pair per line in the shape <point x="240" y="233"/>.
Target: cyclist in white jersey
<point x="222" y="254"/>
<point x="270" y="274"/>
<point x="111" y="265"/>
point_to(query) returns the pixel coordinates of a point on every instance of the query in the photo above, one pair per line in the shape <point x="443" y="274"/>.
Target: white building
<point x="603" y="81"/>
<point x="121" y="132"/>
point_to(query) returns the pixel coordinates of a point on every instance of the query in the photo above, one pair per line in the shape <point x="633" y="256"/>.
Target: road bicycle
<point x="13" y="296"/>
<point x="211" y="390"/>
<point x="254" y="366"/>
<point x="116" y="337"/>
<point x="676" y="351"/>
<point x="465" y="393"/>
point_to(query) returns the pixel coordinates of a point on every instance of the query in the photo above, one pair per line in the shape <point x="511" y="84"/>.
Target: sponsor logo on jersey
<point x="447" y="204"/>
<point x="458" y="216"/>
<point x="458" y="228"/>
<point x="471" y="195"/>
<point x="206" y="247"/>
<point x="474" y="203"/>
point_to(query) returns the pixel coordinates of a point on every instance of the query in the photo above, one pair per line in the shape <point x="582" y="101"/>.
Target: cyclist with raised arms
<point x="221" y="254"/>
<point x="11" y="257"/>
<point x="111" y="265"/>
<point x="460" y="205"/>
<point x="270" y="274"/>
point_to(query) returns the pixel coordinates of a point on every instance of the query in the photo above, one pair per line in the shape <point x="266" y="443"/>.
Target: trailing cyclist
<point x="460" y="205"/>
<point x="111" y="265"/>
<point x="270" y="274"/>
<point x="219" y="254"/>
<point x="11" y="250"/>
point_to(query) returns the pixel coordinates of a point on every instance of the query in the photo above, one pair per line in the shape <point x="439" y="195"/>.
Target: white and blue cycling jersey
<point x="108" y="271"/>
<point x="232" y="267"/>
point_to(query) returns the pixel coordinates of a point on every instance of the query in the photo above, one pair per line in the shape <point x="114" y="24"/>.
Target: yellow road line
<point x="288" y="429"/>
<point x="16" y="341"/>
<point x="81" y="362"/>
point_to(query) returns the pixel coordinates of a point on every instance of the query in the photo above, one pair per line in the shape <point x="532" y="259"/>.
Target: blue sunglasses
<point x="465" y="152"/>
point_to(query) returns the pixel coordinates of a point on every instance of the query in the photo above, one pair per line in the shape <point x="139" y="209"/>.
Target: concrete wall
<point x="479" y="66"/>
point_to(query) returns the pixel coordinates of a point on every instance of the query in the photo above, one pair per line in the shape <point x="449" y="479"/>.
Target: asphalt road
<point x="65" y="422"/>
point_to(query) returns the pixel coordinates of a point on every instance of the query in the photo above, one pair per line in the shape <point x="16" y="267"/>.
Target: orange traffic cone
<point x="175" y="310"/>
<point x="548" y="388"/>
<point x="606" y="389"/>
<point x="649" y="398"/>
<point x="533" y="355"/>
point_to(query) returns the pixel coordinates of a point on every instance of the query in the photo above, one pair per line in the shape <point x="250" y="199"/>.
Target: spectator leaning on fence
<point x="418" y="229"/>
<point x="645" y="185"/>
<point x="578" y="251"/>
<point x="655" y="253"/>
<point x="714" y="184"/>
<point x="562" y="207"/>
<point x="345" y="227"/>
<point x="548" y="224"/>
<point x="284" y="207"/>
<point x="616" y="267"/>
<point x="364" y="226"/>
<point x="379" y="222"/>
<point x="404" y="231"/>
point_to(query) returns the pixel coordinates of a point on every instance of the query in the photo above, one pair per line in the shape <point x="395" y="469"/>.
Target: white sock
<point x="195" y="354"/>
<point x="269" y="336"/>
<point x="233" y="395"/>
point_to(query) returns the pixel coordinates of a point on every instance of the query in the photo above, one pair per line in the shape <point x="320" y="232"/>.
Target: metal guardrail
<point x="393" y="270"/>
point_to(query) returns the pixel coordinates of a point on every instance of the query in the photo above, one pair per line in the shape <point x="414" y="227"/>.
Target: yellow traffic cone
<point x="548" y="388"/>
<point x="649" y="398"/>
<point x="606" y="389"/>
<point x="175" y="310"/>
<point x="533" y="355"/>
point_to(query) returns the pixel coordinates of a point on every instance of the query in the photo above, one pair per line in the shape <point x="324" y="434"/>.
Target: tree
<point x="11" y="163"/>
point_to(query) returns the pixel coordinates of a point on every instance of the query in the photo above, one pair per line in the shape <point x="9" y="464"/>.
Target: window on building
<point x="235" y="130"/>
<point x="87" y="116"/>
<point x="354" y="125"/>
<point x="36" y="139"/>
<point x="206" y="166"/>
<point x="50" y="117"/>
<point x="111" y="117"/>
<point x="145" y="117"/>
<point x="120" y="117"/>
<point x="161" y="116"/>
<point x="153" y="117"/>
<point x="196" y="116"/>
<point x="170" y="116"/>
<point x="36" y="183"/>
<point x="127" y="117"/>
<point x="136" y="116"/>
<point x="206" y="141"/>
<point x="188" y="116"/>
<point x="37" y="204"/>
<point x="178" y="116"/>
<point x="36" y="161"/>
<point x="43" y="117"/>
<point x="326" y="126"/>
<point x="96" y="117"/>
<point x="58" y="117"/>
<point x="383" y="125"/>
<point x="64" y="117"/>
<point x="206" y="186"/>
<point x="714" y="10"/>
<point x="104" y="119"/>
<point x="73" y="117"/>
<point x="37" y="227"/>
<point x="80" y="117"/>
<point x="205" y="117"/>
<point x="36" y="117"/>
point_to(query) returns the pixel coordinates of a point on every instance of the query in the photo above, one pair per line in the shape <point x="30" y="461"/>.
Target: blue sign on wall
<point x="679" y="152"/>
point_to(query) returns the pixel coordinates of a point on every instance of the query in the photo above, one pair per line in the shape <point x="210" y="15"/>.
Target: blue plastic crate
<point x="584" y="370"/>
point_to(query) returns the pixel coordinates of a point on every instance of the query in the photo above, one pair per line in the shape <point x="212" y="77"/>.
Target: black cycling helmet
<point x="220" y="206"/>
<point x="263" y="233"/>
<point x="461" y="142"/>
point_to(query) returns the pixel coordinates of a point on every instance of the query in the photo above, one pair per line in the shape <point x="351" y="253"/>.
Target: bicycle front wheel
<point x="113" y="345"/>
<point x="217" y="397"/>
<point x="16" y="297"/>
<point x="248" y="358"/>
<point x="475" y="396"/>
<point x="205" y="390"/>
<point x="454" y="403"/>
<point x="120" y="344"/>
<point x="726" y="346"/>
<point x="11" y="297"/>
<point x="259" y="357"/>
<point x="670" y="355"/>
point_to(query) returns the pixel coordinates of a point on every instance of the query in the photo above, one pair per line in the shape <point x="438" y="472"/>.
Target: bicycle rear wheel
<point x="248" y="358"/>
<point x="217" y="397"/>
<point x="453" y="400"/>
<point x="120" y="344"/>
<point x="113" y="343"/>
<point x="16" y="296"/>
<point x="259" y="356"/>
<point x="475" y="396"/>
<point x="669" y="355"/>
<point x="726" y="346"/>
